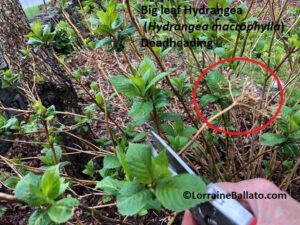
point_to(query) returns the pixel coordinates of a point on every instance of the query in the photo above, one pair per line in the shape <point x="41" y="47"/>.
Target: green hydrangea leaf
<point x="170" y="191"/>
<point x="28" y="190"/>
<point x="132" y="199"/>
<point x="50" y="184"/>
<point x="62" y="210"/>
<point x="138" y="160"/>
<point x="270" y="139"/>
<point x="40" y="217"/>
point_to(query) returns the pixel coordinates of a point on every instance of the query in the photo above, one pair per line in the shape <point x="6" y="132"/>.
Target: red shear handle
<point x="253" y="222"/>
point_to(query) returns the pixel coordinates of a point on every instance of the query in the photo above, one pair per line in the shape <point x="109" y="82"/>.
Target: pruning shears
<point x="214" y="212"/>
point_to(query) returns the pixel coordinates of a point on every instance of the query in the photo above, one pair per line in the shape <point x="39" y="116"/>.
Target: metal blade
<point x="174" y="160"/>
<point x="218" y="211"/>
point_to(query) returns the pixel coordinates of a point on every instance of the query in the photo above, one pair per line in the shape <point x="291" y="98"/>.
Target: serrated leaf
<point x="110" y="185"/>
<point x="188" y="131"/>
<point x="62" y="210"/>
<point x="296" y="135"/>
<point x="140" y="111"/>
<point x="93" y="21"/>
<point x="48" y="157"/>
<point x="89" y="168"/>
<point x="160" y="166"/>
<point x="139" y="83"/>
<point x="147" y="69"/>
<point x="270" y="139"/>
<point x="289" y="150"/>
<point x="63" y="185"/>
<point x="161" y="99"/>
<point x="169" y="116"/>
<point x="287" y="111"/>
<point x="35" y="42"/>
<point x="12" y="181"/>
<point x="50" y="184"/>
<point x="132" y="199"/>
<point x="108" y="172"/>
<point x="12" y="123"/>
<point x="158" y="78"/>
<point x="39" y="217"/>
<point x="46" y="29"/>
<point x="37" y="29"/>
<point x="170" y="191"/>
<point x="28" y="190"/>
<point x="111" y="12"/>
<point x="108" y="16"/>
<point x="50" y="113"/>
<point x="177" y="142"/>
<point x="138" y="159"/>
<point x="153" y="204"/>
<point x="124" y="86"/>
<point x="128" y="31"/>
<point x="208" y="98"/>
<point x="140" y="136"/>
<point x="111" y="162"/>
<point x="102" y="42"/>
<point x="103" y="29"/>
<point x="122" y="158"/>
<point x="213" y="80"/>
<point x="168" y="129"/>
